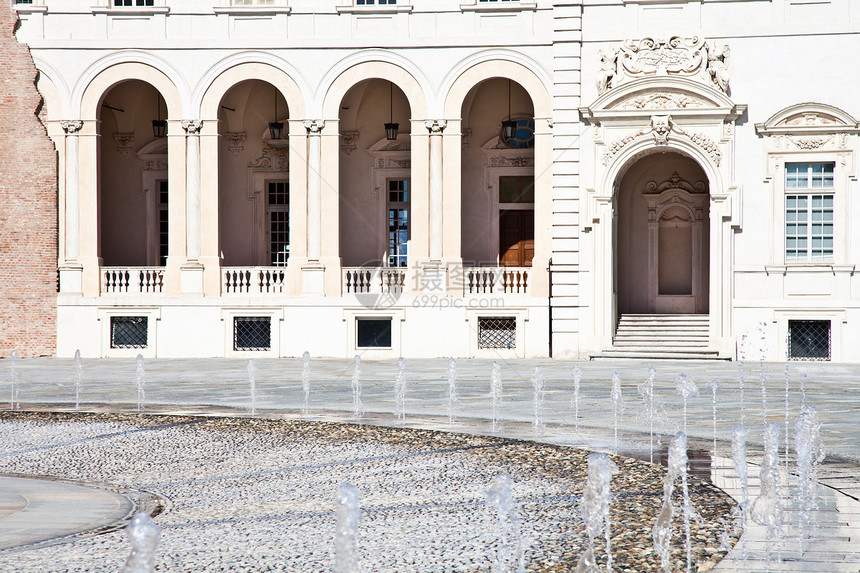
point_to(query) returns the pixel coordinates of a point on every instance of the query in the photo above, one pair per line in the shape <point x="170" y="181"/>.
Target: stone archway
<point x="662" y="237"/>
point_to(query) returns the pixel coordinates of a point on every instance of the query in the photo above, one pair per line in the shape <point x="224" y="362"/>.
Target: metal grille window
<point x="809" y="340"/>
<point x="162" y="223"/>
<point x="398" y="222"/>
<point x="373" y="332"/>
<point x="809" y="216"/>
<point x="278" y="216"/>
<point x="129" y="331"/>
<point x="497" y="332"/>
<point x="252" y="333"/>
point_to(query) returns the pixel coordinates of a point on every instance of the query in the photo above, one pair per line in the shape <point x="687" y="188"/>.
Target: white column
<point x="435" y="127"/>
<point x="192" y="188"/>
<point x="73" y="215"/>
<point x="314" y="127"/>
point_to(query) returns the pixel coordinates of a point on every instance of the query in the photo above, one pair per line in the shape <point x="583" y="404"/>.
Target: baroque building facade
<point x="469" y="178"/>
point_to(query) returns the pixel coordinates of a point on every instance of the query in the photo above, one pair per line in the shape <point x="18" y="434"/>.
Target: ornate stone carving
<point x="809" y="119"/>
<point x="809" y="142"/>
<point x="662" y="100"/>
<point x="314" y="126"/>
<point x="192" y="126"/>
<point x="155" y="165"/>
<point x="392" y="163"/>
<point x="235" y="142"/>
<point x="123" y="143"/>
<point x="272" y="159"/>
<point x="675" y="182"/>
<point x="506" y="161"/>
<point x="348" y="141"/>
<point x="71" y="126"/>
<point x="465" y="136"/>
<point x="673" y="55"/>
<point x="435" y="126"/>
<point x="661" y="127"/>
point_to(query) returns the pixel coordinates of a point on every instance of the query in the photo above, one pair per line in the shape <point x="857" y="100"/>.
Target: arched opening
<point x="133" y="191"/>
<point x="375" y="176"/>
<point x="498" y="176"/>
<point x="662" y="236"/>
<point x="253" y="176"/>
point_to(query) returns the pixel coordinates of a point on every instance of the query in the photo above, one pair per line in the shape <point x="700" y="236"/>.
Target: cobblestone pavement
<point x="220" y="387"/>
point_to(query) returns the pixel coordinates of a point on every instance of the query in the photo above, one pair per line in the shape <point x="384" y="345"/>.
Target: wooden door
<point x="516" y="238"/>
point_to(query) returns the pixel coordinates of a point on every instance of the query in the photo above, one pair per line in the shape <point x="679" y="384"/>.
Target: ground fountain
<point x="79" y="375"/>
<point x="713" y="386"/>
<point x="617" y="407"/>
<point x="646" y="391"/>
<point x="452" y="390"/>
<point x="252" y="384"/>
<point x="495" y="392"/>
<point x="810" y="454"/>
<point x="140" y="381"/>
<point x="538" y="382"/>
<point x="574" y="400"/>
<point x="357" y="406"/>
<point x="306" y="382"/>
<point x="347" y="559"/>
<point x="143" y="534"/>
<point x="594" y="510"/>
<point x="400" y="392"/>
<point x="739" y="460"/>
<point x="686" y="388"/>
<point x="766" y="509"/>
<point x="510" y="553"/>
<point x="14" y="380"/>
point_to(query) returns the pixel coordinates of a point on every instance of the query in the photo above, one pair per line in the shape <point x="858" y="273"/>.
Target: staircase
<point x="666" y="336"/>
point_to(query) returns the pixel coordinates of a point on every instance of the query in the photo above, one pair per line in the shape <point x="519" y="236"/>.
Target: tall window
<point x="162" y="223"/>
<point x="278" y="222"/>
<point x="516" y="220"/>
<point x="398" y="222"/>
<point x="808" y="212"/>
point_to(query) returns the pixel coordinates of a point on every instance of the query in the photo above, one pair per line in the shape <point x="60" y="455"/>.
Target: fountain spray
<point x="594" y="510"/>
<point x="810" y="454"/>
<point x="713" y="386"/>
<point x="767" y="508"/>
<point x="143" y="534"/>
<point x="357" y="407"/>
<point x="140" y="379"/>
<point x="306" y="382"/>
<point x="15" y="380"/>
<point x="646" y="390"/>
<point x="252" y="382"/>
<point x="538" y="383"/>
<point x="739" y="459"/>
<point x="346" y="533"/>
<point x="574" y="401"/>
<point x="400" y="392"/>
<point x="617" y="405"/>
<point x="79" y="375"/>
<point x="685" y="386"/>
<point x="662" y="531"/>
<point x="511" y="552"/>
<point x="496" y="391"/>
<point x="452" y="389"/>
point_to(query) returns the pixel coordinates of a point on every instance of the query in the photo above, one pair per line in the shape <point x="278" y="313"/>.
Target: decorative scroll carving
<point x="155" y="165"/>
<point x="272" y="159"/>
<point x="435" y="126"/>
<point x="348" y="141"/>
<point x="674" y="55"/>
<point x="809" y="142"/>
<point x="503" y="161"/>
<point x="123" y="143"/>
<point x="392" y="163"/>
<point x="675" y="182"/>
<point x="192" y="126"/>
<point x="662" y="100"/>
<point x="71" y="126"/>
<point x="235" y="142"/>
<point x="809" y="119"/>
<point x="661" y="127"/>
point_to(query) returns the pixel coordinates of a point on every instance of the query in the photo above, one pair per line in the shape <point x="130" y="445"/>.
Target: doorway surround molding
<point x="657" y="113"/>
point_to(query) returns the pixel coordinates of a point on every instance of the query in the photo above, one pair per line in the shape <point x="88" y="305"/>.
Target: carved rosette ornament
<point x="235" y="142"/>
<point x="670" y="56"/>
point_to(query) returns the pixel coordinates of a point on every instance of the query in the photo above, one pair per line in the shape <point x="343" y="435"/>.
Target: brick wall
<point x="28" y="205"/>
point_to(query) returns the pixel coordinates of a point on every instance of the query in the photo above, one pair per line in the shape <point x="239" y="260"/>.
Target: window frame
<point x="276" y="208"/>
<point x="399" y="205"/>
<point x="809" y="192"/>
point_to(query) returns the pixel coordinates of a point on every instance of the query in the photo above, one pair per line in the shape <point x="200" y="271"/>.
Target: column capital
<point x="314" y="126"/>
<point x="192" y="126"/>
<point x="71" y="126"/>
<point x="435" y="125"/>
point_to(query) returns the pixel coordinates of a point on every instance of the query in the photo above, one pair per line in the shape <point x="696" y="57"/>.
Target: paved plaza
<point x="220" y="387"/>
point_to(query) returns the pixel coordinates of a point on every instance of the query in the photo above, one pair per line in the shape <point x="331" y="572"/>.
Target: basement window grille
<point x="497" y="332"/>
<point x="252" y="333"/>
<point x="129" y="331"/>
<point x="809" y="340"/>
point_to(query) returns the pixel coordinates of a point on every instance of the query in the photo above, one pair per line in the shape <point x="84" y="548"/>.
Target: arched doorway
<point x="662" y="236"/>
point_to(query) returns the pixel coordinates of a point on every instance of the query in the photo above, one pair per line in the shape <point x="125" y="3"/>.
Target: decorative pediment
<point x="396" y="154"/>
<point x="154" y="155"/>
<point x="661" y="128"/>
<point x="272" y="159"/>
<point x="667" y="56"/>
<point x="500" y="155"/>
<point x="808" y="126"/>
